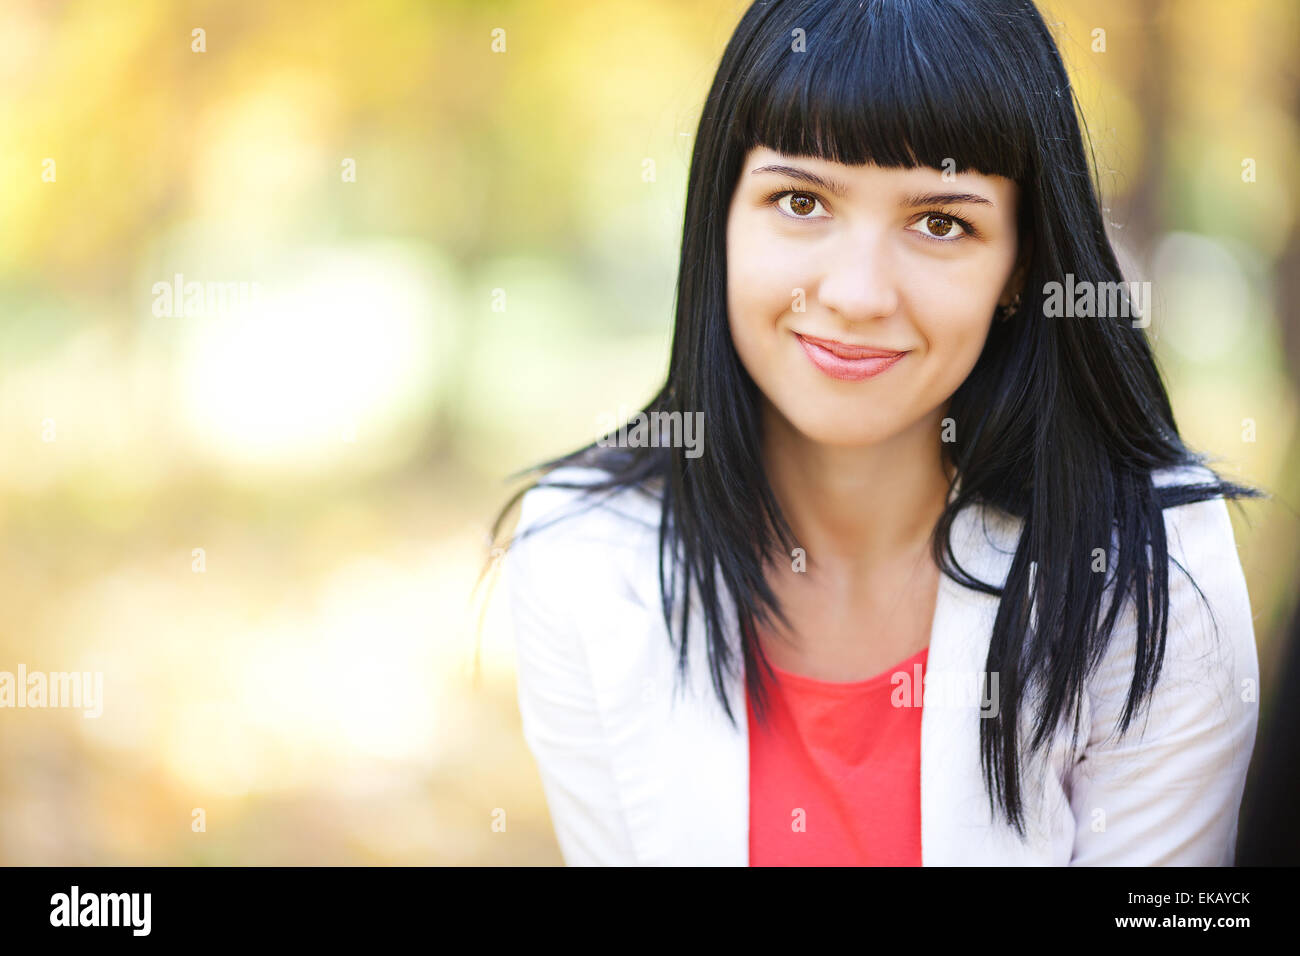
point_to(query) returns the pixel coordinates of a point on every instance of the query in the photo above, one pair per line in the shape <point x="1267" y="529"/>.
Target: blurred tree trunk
<point x="1270" y="834"/>
<point x="1143" y="214"/>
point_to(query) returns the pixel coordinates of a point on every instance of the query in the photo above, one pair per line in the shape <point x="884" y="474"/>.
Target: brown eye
<point x="802" y="204"/>
<point x="798" y="205"/>
<point x="939" y="225"/>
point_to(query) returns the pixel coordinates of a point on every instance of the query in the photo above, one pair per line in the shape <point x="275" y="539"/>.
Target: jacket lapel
<point x="958" y="827"/>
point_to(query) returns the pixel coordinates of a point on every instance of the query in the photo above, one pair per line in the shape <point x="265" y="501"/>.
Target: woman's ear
<point x="1011" y="292"/>
<point x="1015" y="285"/>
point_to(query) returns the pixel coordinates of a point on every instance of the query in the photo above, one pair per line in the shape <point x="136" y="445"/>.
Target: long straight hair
<point x="1060" y="424"/>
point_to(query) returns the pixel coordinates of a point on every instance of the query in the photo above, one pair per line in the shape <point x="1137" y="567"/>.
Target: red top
<point x="835" y="775"/>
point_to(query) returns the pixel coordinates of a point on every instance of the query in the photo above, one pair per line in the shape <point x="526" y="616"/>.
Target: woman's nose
<point x="859" y="281"/>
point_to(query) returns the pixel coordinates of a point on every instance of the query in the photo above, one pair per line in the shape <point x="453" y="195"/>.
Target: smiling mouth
<point x="848" y="363"/>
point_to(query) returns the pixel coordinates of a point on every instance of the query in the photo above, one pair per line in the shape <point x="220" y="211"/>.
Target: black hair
<point x="1061" y="423"/>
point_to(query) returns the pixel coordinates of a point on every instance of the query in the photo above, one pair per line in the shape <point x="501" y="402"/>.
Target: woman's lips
<point x="849" y="363"/>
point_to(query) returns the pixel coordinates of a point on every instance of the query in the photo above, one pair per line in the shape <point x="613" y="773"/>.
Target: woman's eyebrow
<point x="834" y="187"/>
<point x="944" y="199"/>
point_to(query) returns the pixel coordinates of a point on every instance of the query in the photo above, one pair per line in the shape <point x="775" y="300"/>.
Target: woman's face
<point x="897" y="260"/>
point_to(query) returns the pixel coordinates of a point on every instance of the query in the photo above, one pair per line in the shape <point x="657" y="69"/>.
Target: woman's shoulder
<point x="1210" y="637"/>
<point x="1204" y="557"/>
<point x="1169" y="783"/>
<point x="580" y="561"/>
<point x="1181" y="475"/>
<point x="573" y="535"/>
<point x="1199" y="530"/>
<point x="570" y="500"/>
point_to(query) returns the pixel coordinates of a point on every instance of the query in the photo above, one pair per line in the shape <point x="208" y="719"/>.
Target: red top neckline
<point x="790" y="678"/>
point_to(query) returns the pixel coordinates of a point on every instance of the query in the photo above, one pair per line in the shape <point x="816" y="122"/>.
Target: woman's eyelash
<point x="969" y="229"/>
<point x="788" y="190"/>
<point x="965" y="224"/>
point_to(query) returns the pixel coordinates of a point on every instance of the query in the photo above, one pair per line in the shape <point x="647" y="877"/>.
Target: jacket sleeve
<point x="1167" y="793"/>
<point x="554" y="595"/>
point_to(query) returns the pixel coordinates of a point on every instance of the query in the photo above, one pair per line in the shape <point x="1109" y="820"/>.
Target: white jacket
<point x="633" y="776"/>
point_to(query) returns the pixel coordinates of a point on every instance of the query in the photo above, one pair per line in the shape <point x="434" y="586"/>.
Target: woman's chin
<point x="847" y="434"/>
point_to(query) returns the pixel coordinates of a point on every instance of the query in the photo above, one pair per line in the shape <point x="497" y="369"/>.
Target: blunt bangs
<point x="892" y="83"/>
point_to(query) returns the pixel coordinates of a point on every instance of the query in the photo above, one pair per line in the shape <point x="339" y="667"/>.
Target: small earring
<point x="1007" y="311"/>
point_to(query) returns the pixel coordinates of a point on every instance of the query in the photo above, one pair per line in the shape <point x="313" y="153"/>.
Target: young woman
<point x="915" y="475"/>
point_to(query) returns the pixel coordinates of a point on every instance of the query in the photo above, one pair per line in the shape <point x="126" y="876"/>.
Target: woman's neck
<point x="855" y="509"/>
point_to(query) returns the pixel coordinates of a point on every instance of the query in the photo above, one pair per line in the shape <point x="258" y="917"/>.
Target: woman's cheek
<point x="752" y="332"/>
<point x="760" y="292"/>
<point x="955" y="343"/>
<point x="763" y="276"/>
